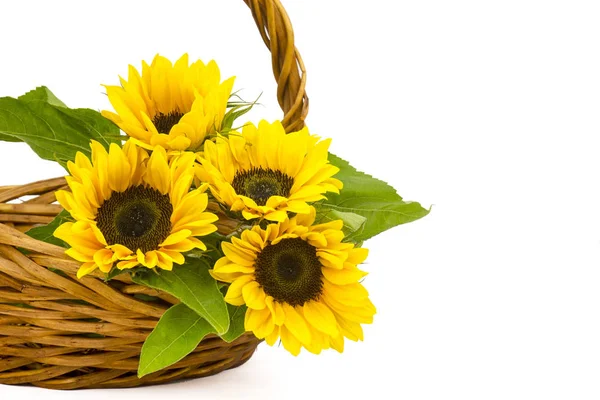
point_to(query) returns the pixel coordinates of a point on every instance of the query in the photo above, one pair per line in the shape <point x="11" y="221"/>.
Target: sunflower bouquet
<point x="234" y="227"/>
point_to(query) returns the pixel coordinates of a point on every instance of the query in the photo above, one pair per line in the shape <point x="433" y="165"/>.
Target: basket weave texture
<point x="60" y="332"/>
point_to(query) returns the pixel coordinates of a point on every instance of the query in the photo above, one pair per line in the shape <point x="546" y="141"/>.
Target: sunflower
<point x="173" y="106"/>
<point x="132" y="209"/>
<point x="300" y="283"/>
<point x="265" y="173"/>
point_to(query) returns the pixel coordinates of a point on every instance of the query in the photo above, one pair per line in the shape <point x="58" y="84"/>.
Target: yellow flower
<point x="300" y="283"/>
<point x="265" y="173"/>
<point x="132" y="209"/>
<point x="173" y="106"/>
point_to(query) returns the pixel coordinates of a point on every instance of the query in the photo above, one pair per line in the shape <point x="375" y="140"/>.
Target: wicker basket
<point x="87" y="333"/>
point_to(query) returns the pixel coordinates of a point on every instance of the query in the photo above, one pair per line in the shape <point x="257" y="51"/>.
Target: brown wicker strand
<point x="288" y="68"/>
<point x="39" y="187"/>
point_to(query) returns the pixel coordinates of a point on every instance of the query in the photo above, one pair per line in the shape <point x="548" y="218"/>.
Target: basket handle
<point x="276" y="30"/>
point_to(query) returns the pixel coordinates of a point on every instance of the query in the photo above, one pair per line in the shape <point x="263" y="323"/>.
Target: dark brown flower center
<point x="290" y="272"/>
<point x="164" y="122"/>
<point x="138" y="218"/>
<point x="259" y="184"/>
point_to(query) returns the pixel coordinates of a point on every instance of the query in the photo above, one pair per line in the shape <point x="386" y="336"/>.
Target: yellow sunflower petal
<point x="244" y="244"/>
<point x="253" y="239"/>
<point x="98" y="234"/>
<point x="271" y="339"/>
<point x="259" y="322"/>
<point x="157" y="173"/>
<point x="85" y="269"/>
<point x="230" y="268"/>
<point x="79" y="256"/>
<point x="320" y="317"/>
<point x="182" y="246"/>
<point x="358" y="255"/>
<point x="238" y="255"/>
<point x="104" y="259"/>
<point x="65" y="199"/>
<point x="289" y="341"/>
<point x="127" y="264"/>
<point x="254" y="296"/>
<point x="120" y="251"/>
<point x="151" y="259"/>
<point x="298" y="207"/>
<point x="176" y="256"/>
<point x="100" y="162"/>
<point x="164" y="261"/>
<point x="351" y="330"/>
<point x="176" y="237"/>
<point x="350" y="294"/>
<point x="234" y="292"/>
<point x="276" y="310"/>
<point x="318" y="343"/>
<point x="63" y="231"/>
<point x="343" y="276"/>
<point x="296" y="324"/>
<point x="141" y="258"/>
<point x="337" y="342"/>
<point x="277" y="216"/>
<point x="198" y="244"/>
<point x="119" y="169"/>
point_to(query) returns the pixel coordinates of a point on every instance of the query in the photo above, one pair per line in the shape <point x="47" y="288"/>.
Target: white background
<point x="489" y="110"/>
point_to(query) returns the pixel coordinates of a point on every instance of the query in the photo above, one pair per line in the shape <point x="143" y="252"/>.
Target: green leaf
<point x="177" y="334"/>
<point x="237" y="316"/>
<point x="192" y="284"/>
<point x="238" y="108"/>
<point x="145" y="297"/>
<point x="371" y="198"/>
<point x="114" y="273"/>
<point x="6" y="138"/>
<point x="41" y="93"/>
<point x="54" y="132"/>
<point x="234" y="114"/>
<point x="44" y="94"/>
<point x="46" y="233"/>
